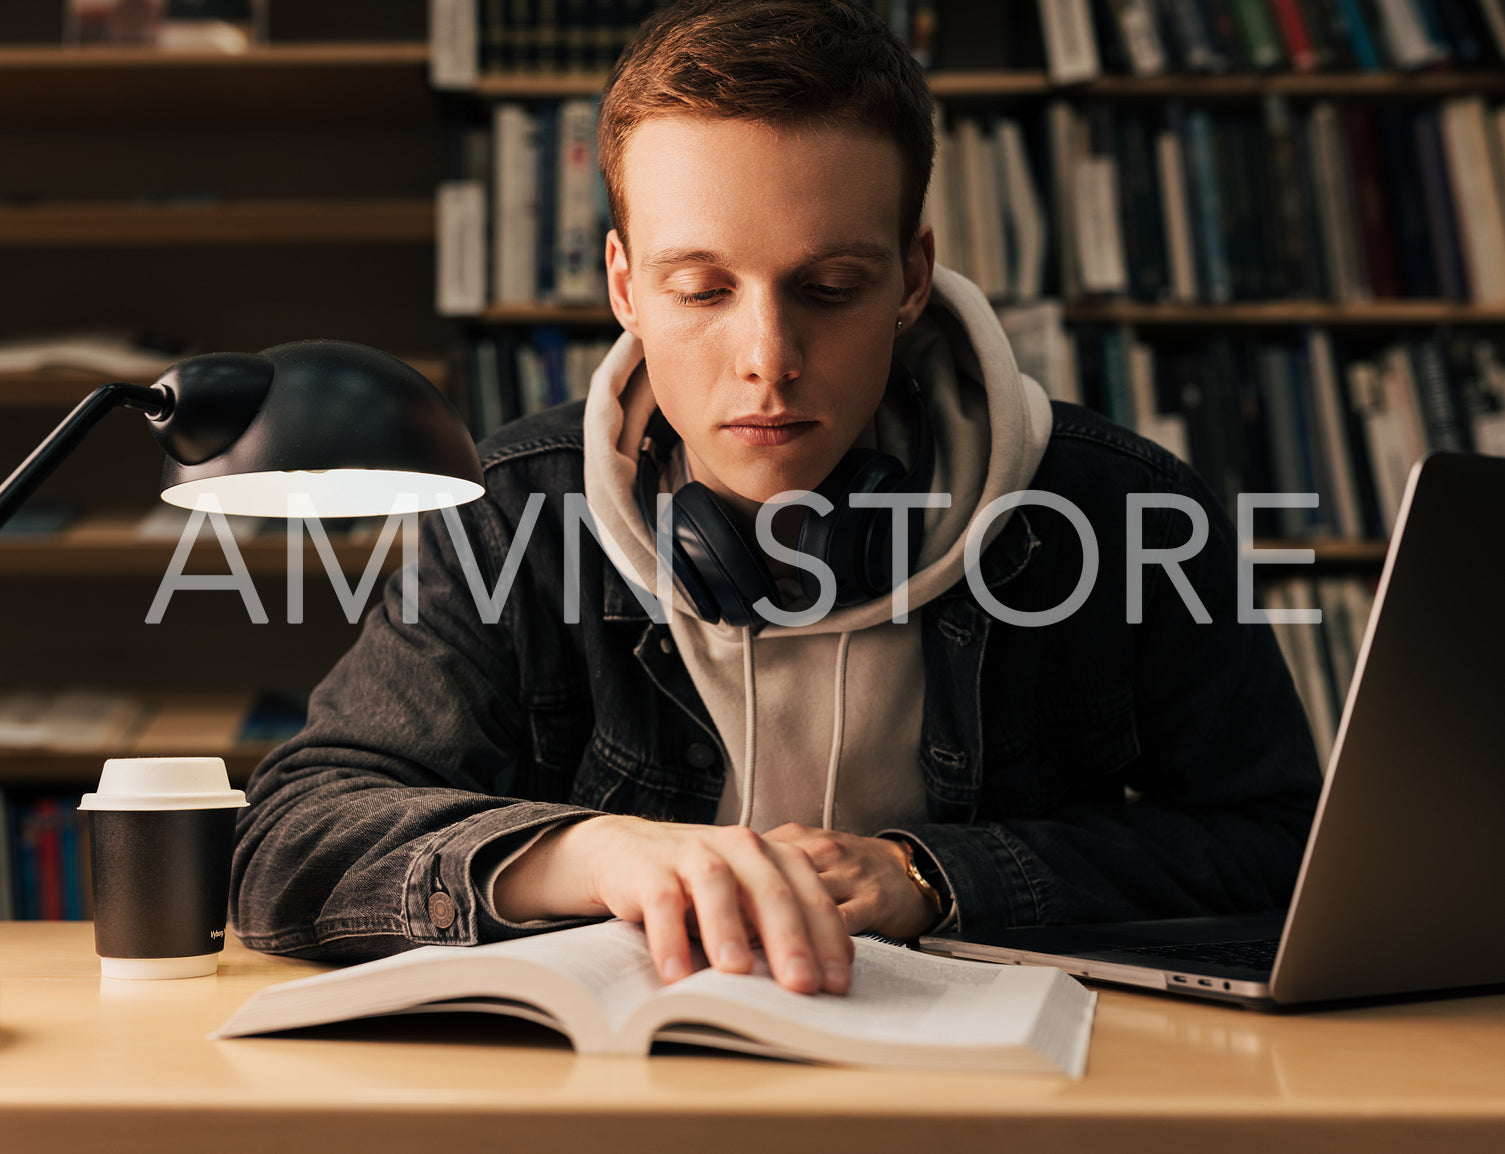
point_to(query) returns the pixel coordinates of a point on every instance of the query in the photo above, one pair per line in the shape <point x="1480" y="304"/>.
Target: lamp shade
<point x="312" y="428"/>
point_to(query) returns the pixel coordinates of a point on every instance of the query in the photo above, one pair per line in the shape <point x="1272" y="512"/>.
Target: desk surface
<point x="88" y="1064"/>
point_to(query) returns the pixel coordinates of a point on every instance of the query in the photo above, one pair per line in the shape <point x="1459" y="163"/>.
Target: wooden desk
<point x="88" y="1065"/>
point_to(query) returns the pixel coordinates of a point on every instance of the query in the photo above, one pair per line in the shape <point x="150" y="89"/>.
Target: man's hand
<point x="737" y="886"/>
<point x="866" y="878"/>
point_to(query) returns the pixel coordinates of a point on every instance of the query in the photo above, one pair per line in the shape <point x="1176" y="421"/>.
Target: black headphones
<point x="724" y="577"/>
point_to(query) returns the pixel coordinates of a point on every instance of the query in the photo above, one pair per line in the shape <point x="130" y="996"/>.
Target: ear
<point x="619" y="283"/>
<point x="919" y="272"/>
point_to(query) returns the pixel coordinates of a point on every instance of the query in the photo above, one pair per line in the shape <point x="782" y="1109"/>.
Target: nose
<point x="769" y="348"/>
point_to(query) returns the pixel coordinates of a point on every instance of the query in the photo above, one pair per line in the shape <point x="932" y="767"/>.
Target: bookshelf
<point x="1327" y="345"/>
<point x="198" y="202"/>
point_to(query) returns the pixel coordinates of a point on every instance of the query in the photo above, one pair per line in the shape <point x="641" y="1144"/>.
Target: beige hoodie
<point x="820" y="723"/>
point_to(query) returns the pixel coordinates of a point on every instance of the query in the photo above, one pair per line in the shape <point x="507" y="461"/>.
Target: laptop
<point x="1400" y="888"/>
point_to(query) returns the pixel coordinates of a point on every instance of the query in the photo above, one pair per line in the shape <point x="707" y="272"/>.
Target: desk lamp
<point x="349" y="427"/>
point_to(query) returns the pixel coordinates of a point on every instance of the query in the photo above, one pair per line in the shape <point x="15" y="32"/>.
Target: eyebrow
<point x="871" y="252"/>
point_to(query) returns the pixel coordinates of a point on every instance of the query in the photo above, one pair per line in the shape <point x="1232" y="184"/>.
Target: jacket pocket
<point x="1069" y="752"/>
<point x="559" y="729"/>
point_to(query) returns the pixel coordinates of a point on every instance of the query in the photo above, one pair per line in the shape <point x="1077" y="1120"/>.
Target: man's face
<point x="765" y="280"/>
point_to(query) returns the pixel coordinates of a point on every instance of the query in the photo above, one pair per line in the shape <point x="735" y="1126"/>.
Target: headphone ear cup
<point x="711" y="550"/>
<point x="854" y="542"/>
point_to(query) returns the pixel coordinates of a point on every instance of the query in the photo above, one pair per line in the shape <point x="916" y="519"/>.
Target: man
<point x="990" y="743"/>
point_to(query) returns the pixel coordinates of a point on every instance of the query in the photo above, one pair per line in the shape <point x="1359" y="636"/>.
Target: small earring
<point x="898" y="325"/>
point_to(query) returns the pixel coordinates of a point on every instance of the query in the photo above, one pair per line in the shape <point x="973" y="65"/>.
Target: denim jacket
<point x="1085" y="770"/>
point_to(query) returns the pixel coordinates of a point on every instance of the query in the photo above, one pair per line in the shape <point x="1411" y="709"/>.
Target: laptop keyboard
<point x="1258" y="954"/>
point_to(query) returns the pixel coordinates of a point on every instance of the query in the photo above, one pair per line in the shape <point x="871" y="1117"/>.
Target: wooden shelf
<point x="984" y="83"/>
<point x="1388" y="312"/>
<point x="373" y="82"/>
<point x="321" y="54"/>
<point x="1333" y="552"/>
<point x="79" y="770"/>
<point x="990" y="83"/>
<point x="176" y="724"/>
<point x="113" y="224"/>
<point x="1253" y="313"/>
<point x="110" y="547"/>
<point x="61" y="389"/>
<point x="549" y="315"/>
<point x="538" y="85"/>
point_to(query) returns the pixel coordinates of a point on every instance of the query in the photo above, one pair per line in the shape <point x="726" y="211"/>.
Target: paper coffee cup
<point x="160" y="837"/>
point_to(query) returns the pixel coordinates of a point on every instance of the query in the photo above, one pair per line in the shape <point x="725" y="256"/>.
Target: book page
<point x="610" y="960"/>
<point x="584" y="980"/>
<point x="903" y="1008"/>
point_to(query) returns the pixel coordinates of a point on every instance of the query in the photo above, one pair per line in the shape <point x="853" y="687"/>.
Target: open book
<point x="596" y="985"/>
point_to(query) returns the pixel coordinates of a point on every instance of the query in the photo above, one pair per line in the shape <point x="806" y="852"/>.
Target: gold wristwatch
<point x="927" y="891"/>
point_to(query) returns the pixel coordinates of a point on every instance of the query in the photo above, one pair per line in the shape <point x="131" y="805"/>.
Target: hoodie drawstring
<point x="750" y="728"/>
<point x="749" y="724"/>
<point x="839" y="709"/>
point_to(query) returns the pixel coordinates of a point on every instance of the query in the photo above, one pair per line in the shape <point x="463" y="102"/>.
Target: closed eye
<point x="704" y="297"/>
<point x="832" y="294"/>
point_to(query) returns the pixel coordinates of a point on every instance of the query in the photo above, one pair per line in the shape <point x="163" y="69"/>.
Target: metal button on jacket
<point x="441" y="909"/>
<point x="700" y="755"/>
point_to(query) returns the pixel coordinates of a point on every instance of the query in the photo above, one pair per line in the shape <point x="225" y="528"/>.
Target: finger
<point x="663" y="904"/>
<point x="790" y="832"/>
<point x="780" y="906"/>
<point x="824" y="921"/>
<point x="718" y="911"/>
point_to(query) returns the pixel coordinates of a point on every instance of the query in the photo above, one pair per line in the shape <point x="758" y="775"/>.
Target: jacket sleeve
<point x="1209" y="816"/>
<point x="366" y="833"/>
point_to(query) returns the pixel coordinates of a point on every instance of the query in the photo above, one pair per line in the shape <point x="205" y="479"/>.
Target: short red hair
<point x="781" y="62"/>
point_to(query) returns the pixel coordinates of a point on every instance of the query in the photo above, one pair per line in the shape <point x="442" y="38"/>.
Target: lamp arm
<point x="153" y="401"/>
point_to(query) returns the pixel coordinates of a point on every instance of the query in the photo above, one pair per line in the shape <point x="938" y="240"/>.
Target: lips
<point x="763" y="429"/>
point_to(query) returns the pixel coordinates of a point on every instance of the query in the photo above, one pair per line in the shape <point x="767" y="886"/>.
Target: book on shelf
<point x="1070" y="44"/>
<point x="1175" y="208"/>
<point x="982" y="209"/>
<point x="1334" y="205"/>
<point x="1103" y="263"/>
<point x="44" y="858"/>
<point x="1213" y="272"/>
<point x="454" y="43"/>
<point x="514" y="374"/>
<point x="189" y="723"/>
<point x="1322" y="656"/>
<point x="1477" y="202"/>
<point x="581" y="198"/>
<point x="1301" y="413"/>
<point x="1190" y="35"/>
<point x="597" y="986"/>
<point x="1258" y="35"/>
<point x="107" y="353"/>
<point x="38" y="521"/>
<point x="69" y="719"/>
<point x="514" y="230"/>
<point x="1305" y="651"/>
<point x="1444" y="238"/>
<point x="1041" y="347"/>
<point x="1410" y="40"/>
<point x="1139" y="32"/>
<point x="1346" y="202"/>
<point x="460" y="251"/>
<point x="1328" y="405"/>
<point x="1026" y="225"/>
<point x="541" y="214"/>
<point x="1301" y="47"/>
<point x="550" y="36"/>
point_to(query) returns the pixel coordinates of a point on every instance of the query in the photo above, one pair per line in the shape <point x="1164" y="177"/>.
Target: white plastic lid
<point x="144" y="783"/>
